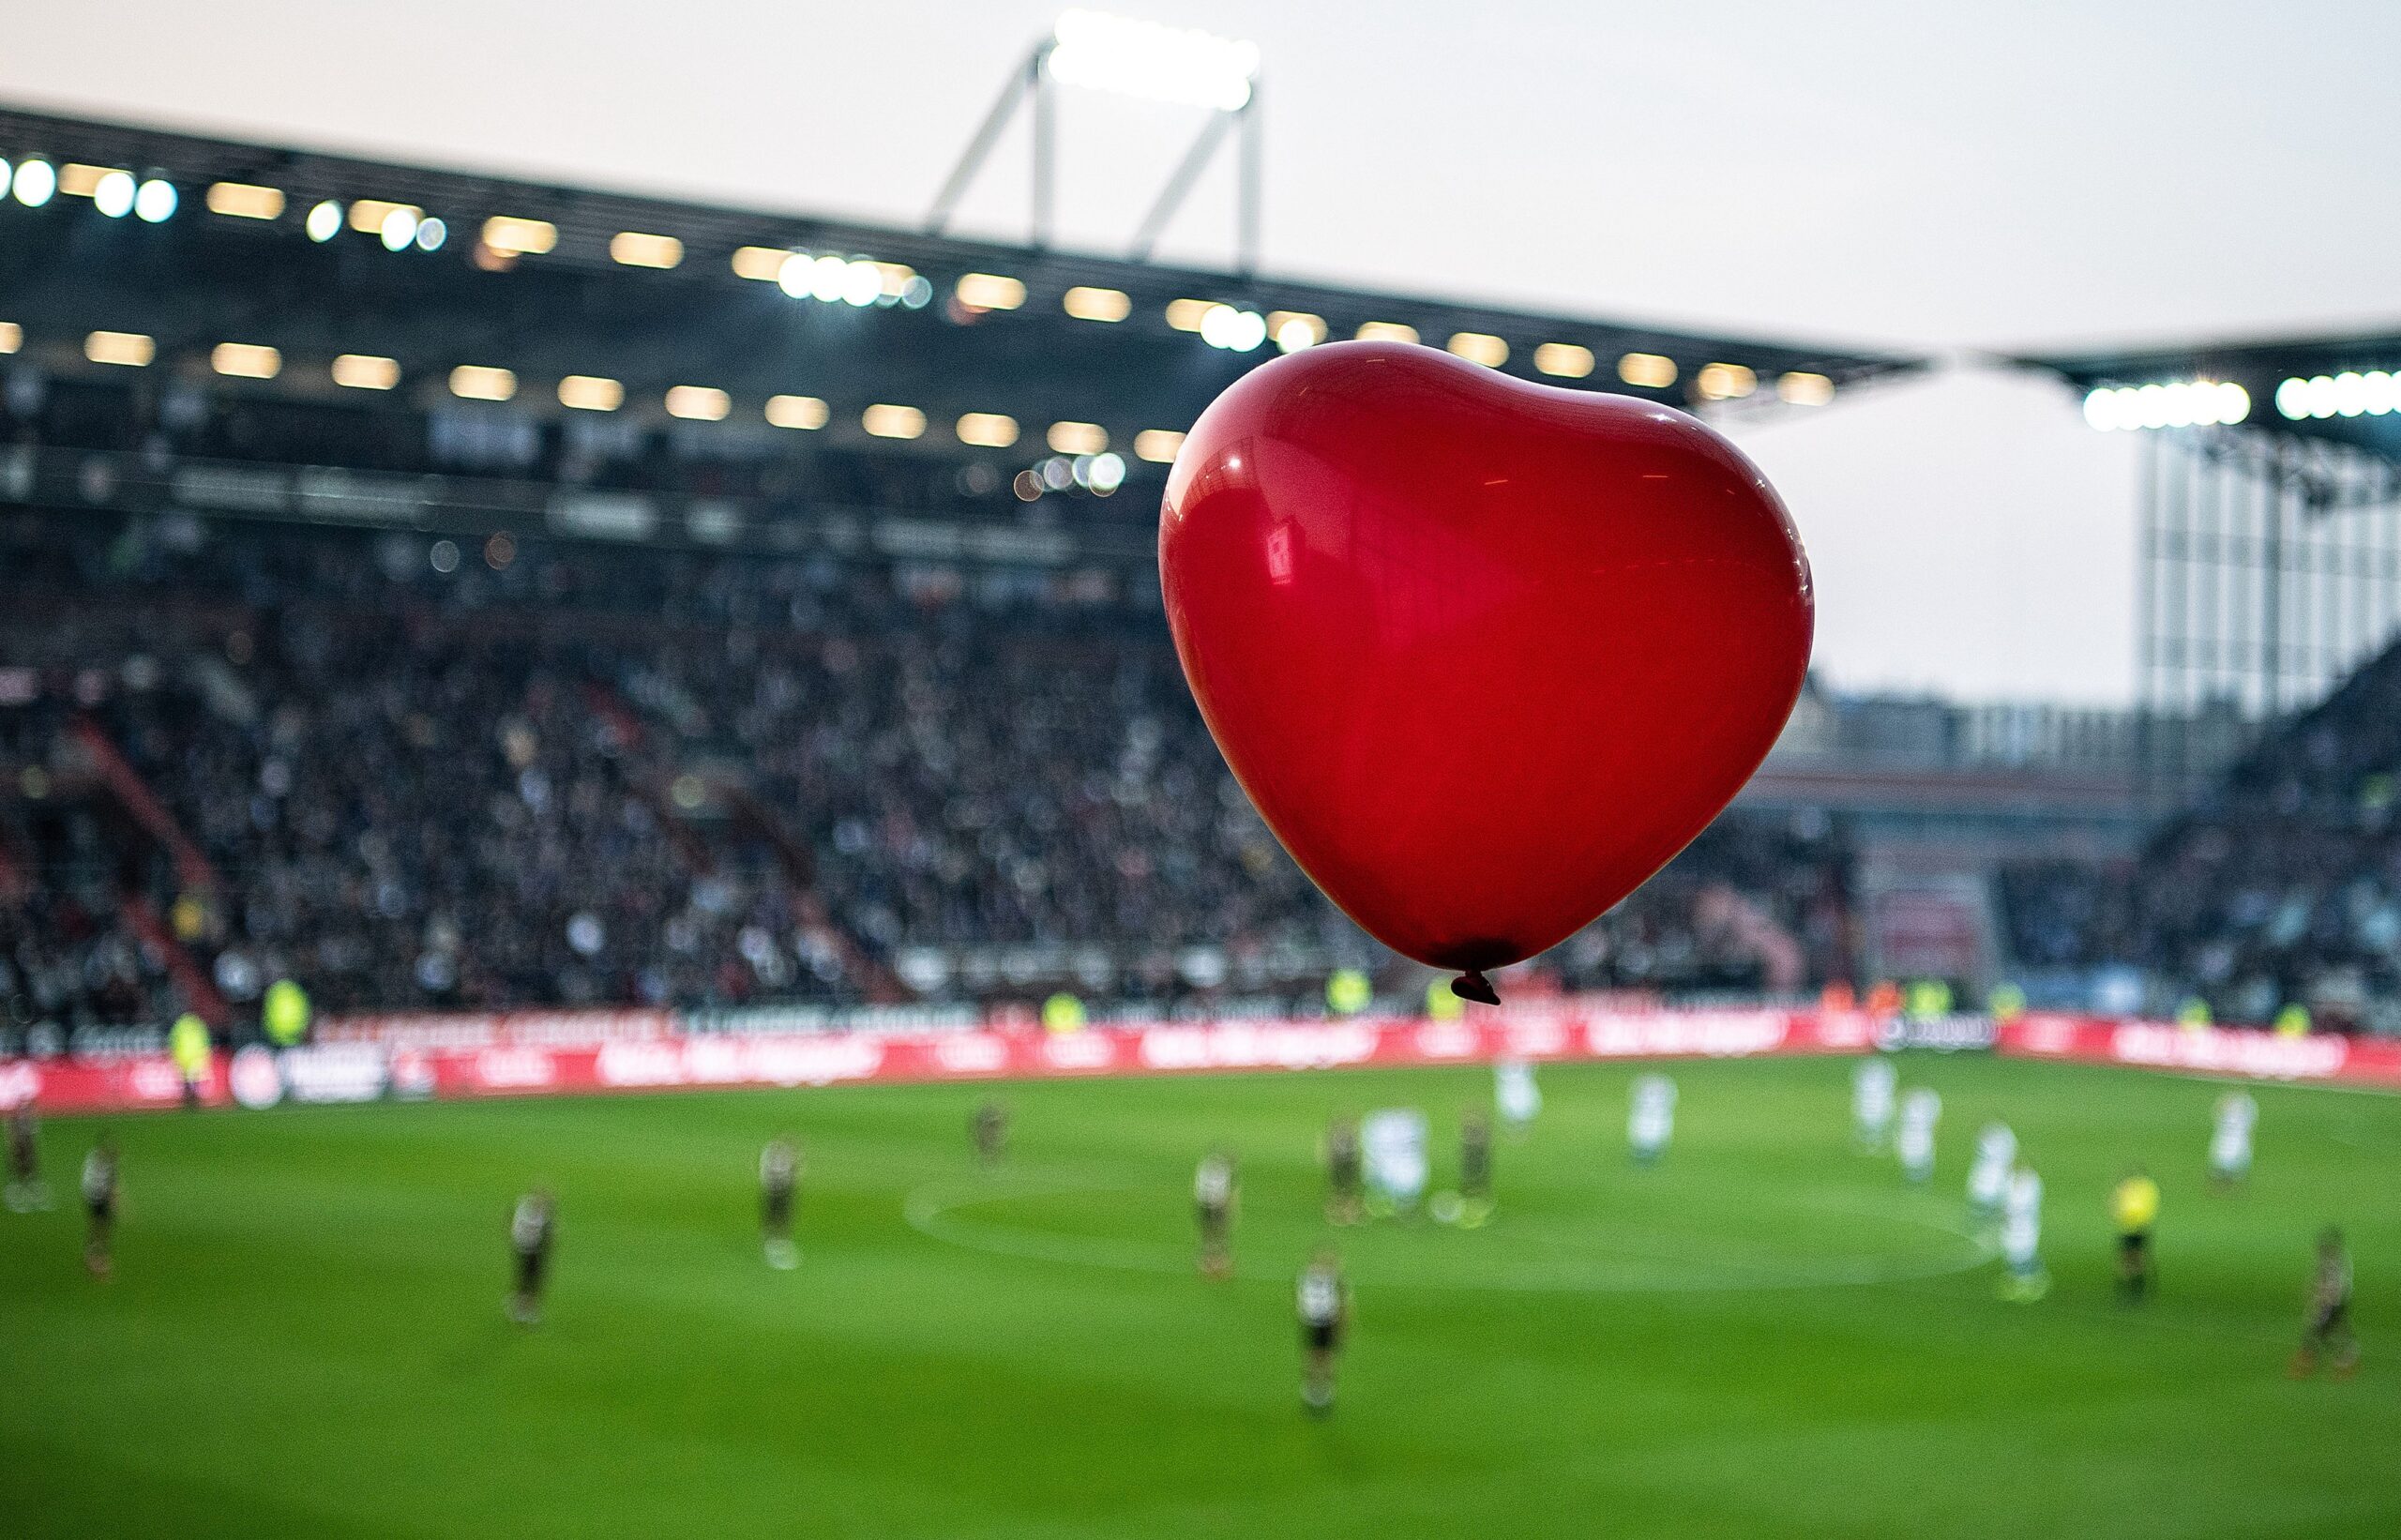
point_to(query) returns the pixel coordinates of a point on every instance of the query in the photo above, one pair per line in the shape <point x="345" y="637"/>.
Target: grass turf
<point x="1766" y="1335"/>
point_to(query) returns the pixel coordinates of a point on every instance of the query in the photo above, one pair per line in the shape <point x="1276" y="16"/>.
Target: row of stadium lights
<point x="2203" y="403"/>
<point x="862" y="281"/>
<point x="1084" y="444"/>
<point x="2349" y="394"/>
<point x="2184" y="403"/>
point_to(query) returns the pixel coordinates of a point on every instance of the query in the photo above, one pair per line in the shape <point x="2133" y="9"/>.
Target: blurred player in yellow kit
<point x="2135" y="1205"/>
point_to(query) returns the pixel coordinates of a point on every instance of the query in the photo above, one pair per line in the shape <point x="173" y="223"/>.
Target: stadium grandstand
<point x="458" y="592"/>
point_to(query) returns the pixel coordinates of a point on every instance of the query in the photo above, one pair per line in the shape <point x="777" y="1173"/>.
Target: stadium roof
<point x="644" y="291"/>
<point x="2342" y="387"/>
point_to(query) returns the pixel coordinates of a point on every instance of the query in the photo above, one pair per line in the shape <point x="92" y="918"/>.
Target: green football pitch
<point x="1766" y="1335"/>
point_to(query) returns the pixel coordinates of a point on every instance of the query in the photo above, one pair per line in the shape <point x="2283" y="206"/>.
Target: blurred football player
<point x="1214" y="1196"/>
<point x="991" y="1132"/>
<point x="1324" y="1304"/>
<point x="1921" y="1110"/>
<point x="27" y="1192"/>
<point x="1345" y="1181"/>
<point x="1515" y="1095"/>
<point x="779" y="1189"/>
<point x="2134" y="1204"/>
<point x="1476" y="1171"/>
<point x="531" y="1231"/>
<point x="2230" y="1141"/>
<point x="1989" y="1178"/>
<point x="1871" y="1102"/>
<point x="99" y="1207"/>
<point x="2021" y="1236"/>
<point x="1652" y="1121"/>
<point x="2330" y="1311"/>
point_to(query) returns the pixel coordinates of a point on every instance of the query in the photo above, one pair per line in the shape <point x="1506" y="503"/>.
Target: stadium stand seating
<point x="588" y="775"/>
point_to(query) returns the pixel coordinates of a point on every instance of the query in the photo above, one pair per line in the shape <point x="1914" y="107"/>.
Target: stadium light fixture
<point x="78" y="181"/>
<point x="114" y="194"/>
<point x="155" y="201"/>
<point x="2179" y="403"/>
<point x="1186" y="314"/>
<point x="1647" y="370"/>
<point x="366" y="372"/>
<point x="430" y="233"/>
<point x="127" y="349"/>
<point x="1296" y="329"/>
<point x="245" y="200"/>
<point x="633" y="249"/>
<point x="513" y="236"/>
<point x="1478" y="347"/>
<point x="33" y="183"/>
<point x="398" y="229"/>
<point x="698" y="403"/>
<point x="862" y="283"/>
<point x="1725" y="382"/>
<point x="1136" y="58"/>
<point x="886" y="421"/>
<point x="324" y="221"/>
<point x="1086" y="303"/>
<point x="1387" y="331"/>
<point x="1077" y="438"/>
<point x="1234" y="330"/>
<point x="987" y="429"/>
<point x="1565" y="360"/>
<point x="12" y="337"/>
<point x="480" y="383"/>
<point x="1805" y="388"/>
<point x="760" y="264"/>
<point x="246" y="360"/>
<point x="591" y="393"/>
<point x="806" y="413"/>
<point x="989" y="291"/>
<point x="1157" y="444"/>
<point x="366" y="216"/>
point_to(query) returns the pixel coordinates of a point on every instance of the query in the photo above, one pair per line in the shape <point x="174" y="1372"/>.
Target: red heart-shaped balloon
<point x="1485" y="654"/>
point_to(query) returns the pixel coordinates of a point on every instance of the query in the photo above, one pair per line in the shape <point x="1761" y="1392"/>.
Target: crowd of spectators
<point x="569" y="775"/>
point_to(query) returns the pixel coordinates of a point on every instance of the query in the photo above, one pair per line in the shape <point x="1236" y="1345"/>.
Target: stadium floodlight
<point x="1296" y="329"/>
<point x="1478" y="347"/>
<point x="698" y="403"/>
<point x="1234" y="330"/>
<point x="245" y="200"/>
<point x="806" y="413"/>
<point x="887" y="420"/>
<point x="1647" y="370"/>
<point x="430" y="233"/>
<point x="1135" y="58"/>
<point x="366" y="372"/>
<point x="1385" y="331"/>
<point x="125" y="349"/>
<point x="1725" y="382"/>
<point x="155" y="201"/>
<point x="246" y="360"/>
<point x="591" y="393"/>
<point x="12" y="337"/>
<point x="1158" y="444"/>
<point x="398" y="229"/>
<point x="324" y="221"/>
<point x="33" y="183"/>
<point x="114" y="194"/>
<point x="862" y="283"/>
<point x="1094" y="51"/>
<point x="1077" y="438"/>
<point x="1565" y="360"/>
<point x="2175" y="404"/>
<point x="637" y="249"/>
<point x="1805" y="388"/>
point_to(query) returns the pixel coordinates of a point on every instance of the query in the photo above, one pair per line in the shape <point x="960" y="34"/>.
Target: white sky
<point x="1929" y="176"/>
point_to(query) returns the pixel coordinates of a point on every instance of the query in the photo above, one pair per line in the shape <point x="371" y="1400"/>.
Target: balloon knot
<point x="1473" y="985"/>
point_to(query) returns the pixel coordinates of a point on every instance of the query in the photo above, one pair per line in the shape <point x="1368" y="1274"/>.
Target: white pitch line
<point x="928" y="1211"/>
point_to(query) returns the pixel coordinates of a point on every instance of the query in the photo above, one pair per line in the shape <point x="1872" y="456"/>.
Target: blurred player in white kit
<point x="1921" y="1110"/>
<point x="2230" y="1143"/>
<point x="1989" y="1178"/>
<point x="2021" y="1237"/>
<point x="1514" y="1095"/>
<point x="1652" y="1121"/>
<point x="1871" y="1102"/>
